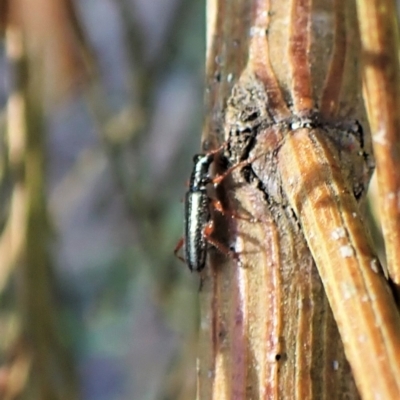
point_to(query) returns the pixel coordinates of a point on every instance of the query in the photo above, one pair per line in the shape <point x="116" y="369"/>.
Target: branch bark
<point x="267" y="330"/>
<point x="284" y="91"/>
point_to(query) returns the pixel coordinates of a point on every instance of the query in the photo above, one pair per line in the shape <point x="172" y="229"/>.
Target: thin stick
<point x="380" y="45"/>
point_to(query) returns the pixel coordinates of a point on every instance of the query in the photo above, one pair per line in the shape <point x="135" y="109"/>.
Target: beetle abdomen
<point x="198" y="216"/>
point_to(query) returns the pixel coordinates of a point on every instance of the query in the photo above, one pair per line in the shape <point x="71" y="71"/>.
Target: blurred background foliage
<point x="101" y="110"/>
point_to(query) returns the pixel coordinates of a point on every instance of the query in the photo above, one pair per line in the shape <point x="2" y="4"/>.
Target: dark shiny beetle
<point x="198" y="223"/>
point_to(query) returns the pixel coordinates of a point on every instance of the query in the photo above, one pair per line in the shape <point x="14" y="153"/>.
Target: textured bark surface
<point x="362" y="303"/>
<point x="267" y="330"/>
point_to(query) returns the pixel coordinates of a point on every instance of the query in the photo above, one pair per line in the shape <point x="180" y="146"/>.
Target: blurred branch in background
<point x="38" y="364"/>
<point x="379" y="29"/>
<point x="124" y="132"/>
<point x="63" y="64"/>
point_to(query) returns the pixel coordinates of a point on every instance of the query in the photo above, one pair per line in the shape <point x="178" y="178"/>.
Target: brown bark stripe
<point x="299" y="46"/>
<point x="334" y="79"/>
<point x="259" y="60"/>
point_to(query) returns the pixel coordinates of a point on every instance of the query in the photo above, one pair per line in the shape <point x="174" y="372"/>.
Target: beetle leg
<point x="208" y="230"/>
<point x="219" y="178"/>
<point x="218" y="149"/>
<point x="217" y="205"/>
<point x="178" y="246"/>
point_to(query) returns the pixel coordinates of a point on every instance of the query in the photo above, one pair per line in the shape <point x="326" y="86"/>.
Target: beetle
<point x="198" y="222"/>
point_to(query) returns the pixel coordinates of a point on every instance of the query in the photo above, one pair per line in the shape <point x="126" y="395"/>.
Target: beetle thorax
<point x="200" y="176"/>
